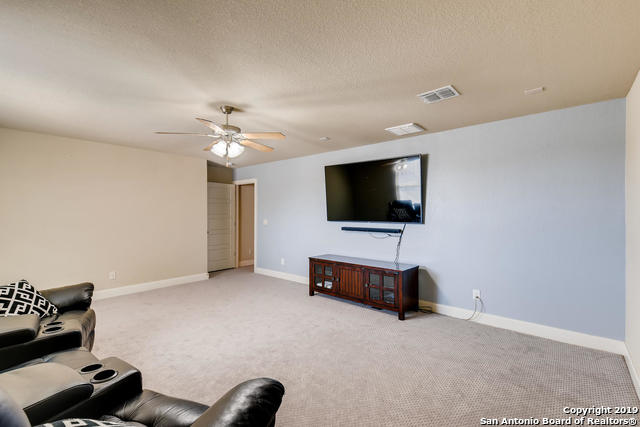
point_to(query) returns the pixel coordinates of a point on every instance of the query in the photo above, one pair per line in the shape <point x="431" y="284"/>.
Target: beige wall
<point x="246" y="222"/>
<point x="74" y="210"/>
<point x="219" y="174"/>
<point x="632" y="327"/>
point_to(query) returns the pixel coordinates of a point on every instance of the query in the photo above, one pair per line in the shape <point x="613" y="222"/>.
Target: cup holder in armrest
<point x="104" y="376"/>
<point x="90" y="368"/>
<point x="54" y="323"/>
<point x="52" y="329"/>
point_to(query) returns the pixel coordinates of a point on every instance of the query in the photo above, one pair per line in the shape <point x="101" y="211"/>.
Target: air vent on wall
<point x="439" y="94"/>
<point x="407" y="129"/>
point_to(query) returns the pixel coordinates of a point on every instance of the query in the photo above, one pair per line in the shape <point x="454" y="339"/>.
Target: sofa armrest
<point x="72" y="297"/>
<point x="45" y="389"/>
<point x="18" y="329"/>
<point x="253" y="403"/>
<point x="154" y="409"/>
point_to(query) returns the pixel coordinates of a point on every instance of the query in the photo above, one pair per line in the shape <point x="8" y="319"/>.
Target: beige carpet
<point x="346" y="365"/>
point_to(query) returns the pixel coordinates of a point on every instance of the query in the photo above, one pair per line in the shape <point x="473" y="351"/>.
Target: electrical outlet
<point x="282" y="261"/>
<point x="476" y="293"/>
<point x="112" y="275"/>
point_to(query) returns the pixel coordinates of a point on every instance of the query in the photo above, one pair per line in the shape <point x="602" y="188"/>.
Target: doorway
<point x="221" y="242"/>
<point x="245" y="224"/>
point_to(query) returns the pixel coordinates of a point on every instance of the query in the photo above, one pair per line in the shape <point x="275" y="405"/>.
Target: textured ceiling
<point x="115" y="71"/>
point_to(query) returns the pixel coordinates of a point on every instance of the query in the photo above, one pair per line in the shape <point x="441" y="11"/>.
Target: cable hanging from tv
<point x="399" y="243"/>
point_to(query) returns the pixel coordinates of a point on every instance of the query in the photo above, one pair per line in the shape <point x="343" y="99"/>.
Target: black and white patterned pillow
<point x="22" y="298"/>
<point x="84" y="422"/>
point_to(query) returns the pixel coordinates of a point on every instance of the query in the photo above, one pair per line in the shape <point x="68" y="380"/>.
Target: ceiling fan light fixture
<point x="235" y="149"/>
<point x="220" y="149"/>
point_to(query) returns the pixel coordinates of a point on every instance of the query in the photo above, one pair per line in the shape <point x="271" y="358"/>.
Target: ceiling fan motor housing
<point x="230" y="129"/>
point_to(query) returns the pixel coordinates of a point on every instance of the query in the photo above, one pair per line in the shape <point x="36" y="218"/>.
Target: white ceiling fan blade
<point x="210" y="146"/>
<point x="187" y="133"/>
<point x="211" y="125"/>
<point x="263" y="135"/>
<point x="255" y="145"/>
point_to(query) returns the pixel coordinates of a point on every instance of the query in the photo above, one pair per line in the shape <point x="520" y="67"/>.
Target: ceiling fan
<point x="228" y="141"/>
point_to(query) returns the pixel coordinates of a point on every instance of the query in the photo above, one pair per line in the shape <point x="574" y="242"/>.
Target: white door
<point x="221" y="208"/>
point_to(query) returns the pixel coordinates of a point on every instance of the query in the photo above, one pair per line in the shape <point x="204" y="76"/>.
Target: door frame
<point x="238" y="183"/>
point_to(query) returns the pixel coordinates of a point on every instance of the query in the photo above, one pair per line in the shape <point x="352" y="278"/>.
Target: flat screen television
<point x="388" y="190"/>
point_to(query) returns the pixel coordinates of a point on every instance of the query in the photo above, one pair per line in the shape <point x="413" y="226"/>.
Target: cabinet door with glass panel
<point x="324" y="277"/>
<point x="381" y="286"/>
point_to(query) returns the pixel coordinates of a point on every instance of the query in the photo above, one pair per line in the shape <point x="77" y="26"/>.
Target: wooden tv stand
<point x="380" y="284"/>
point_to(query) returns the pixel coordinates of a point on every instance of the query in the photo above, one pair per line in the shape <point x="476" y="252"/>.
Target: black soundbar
<point x="374" y="230"/>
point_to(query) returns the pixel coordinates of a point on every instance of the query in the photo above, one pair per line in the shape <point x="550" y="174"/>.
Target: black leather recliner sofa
<point x="253" y="403"/>
<point x="47" y="375"/>
<point x="75" y="384"/>
<point x="26" y="337"/>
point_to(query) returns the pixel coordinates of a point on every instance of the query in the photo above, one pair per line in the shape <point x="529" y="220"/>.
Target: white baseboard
<point x="148" y="286"/>
<point x="245" y="263"/>
<point x="536" y="329"/>
<point x="632" y="370"/>
<point x="282" y="275"/>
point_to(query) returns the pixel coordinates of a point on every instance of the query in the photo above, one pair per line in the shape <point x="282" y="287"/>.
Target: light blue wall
<point x="528" y="210"/>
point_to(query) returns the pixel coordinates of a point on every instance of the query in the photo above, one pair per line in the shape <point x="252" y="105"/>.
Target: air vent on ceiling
<point x="407" y="129"/>
<point x="439" y="94"/>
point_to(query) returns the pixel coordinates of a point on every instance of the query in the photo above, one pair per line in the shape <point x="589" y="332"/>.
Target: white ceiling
<point x="116" y="71"/>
